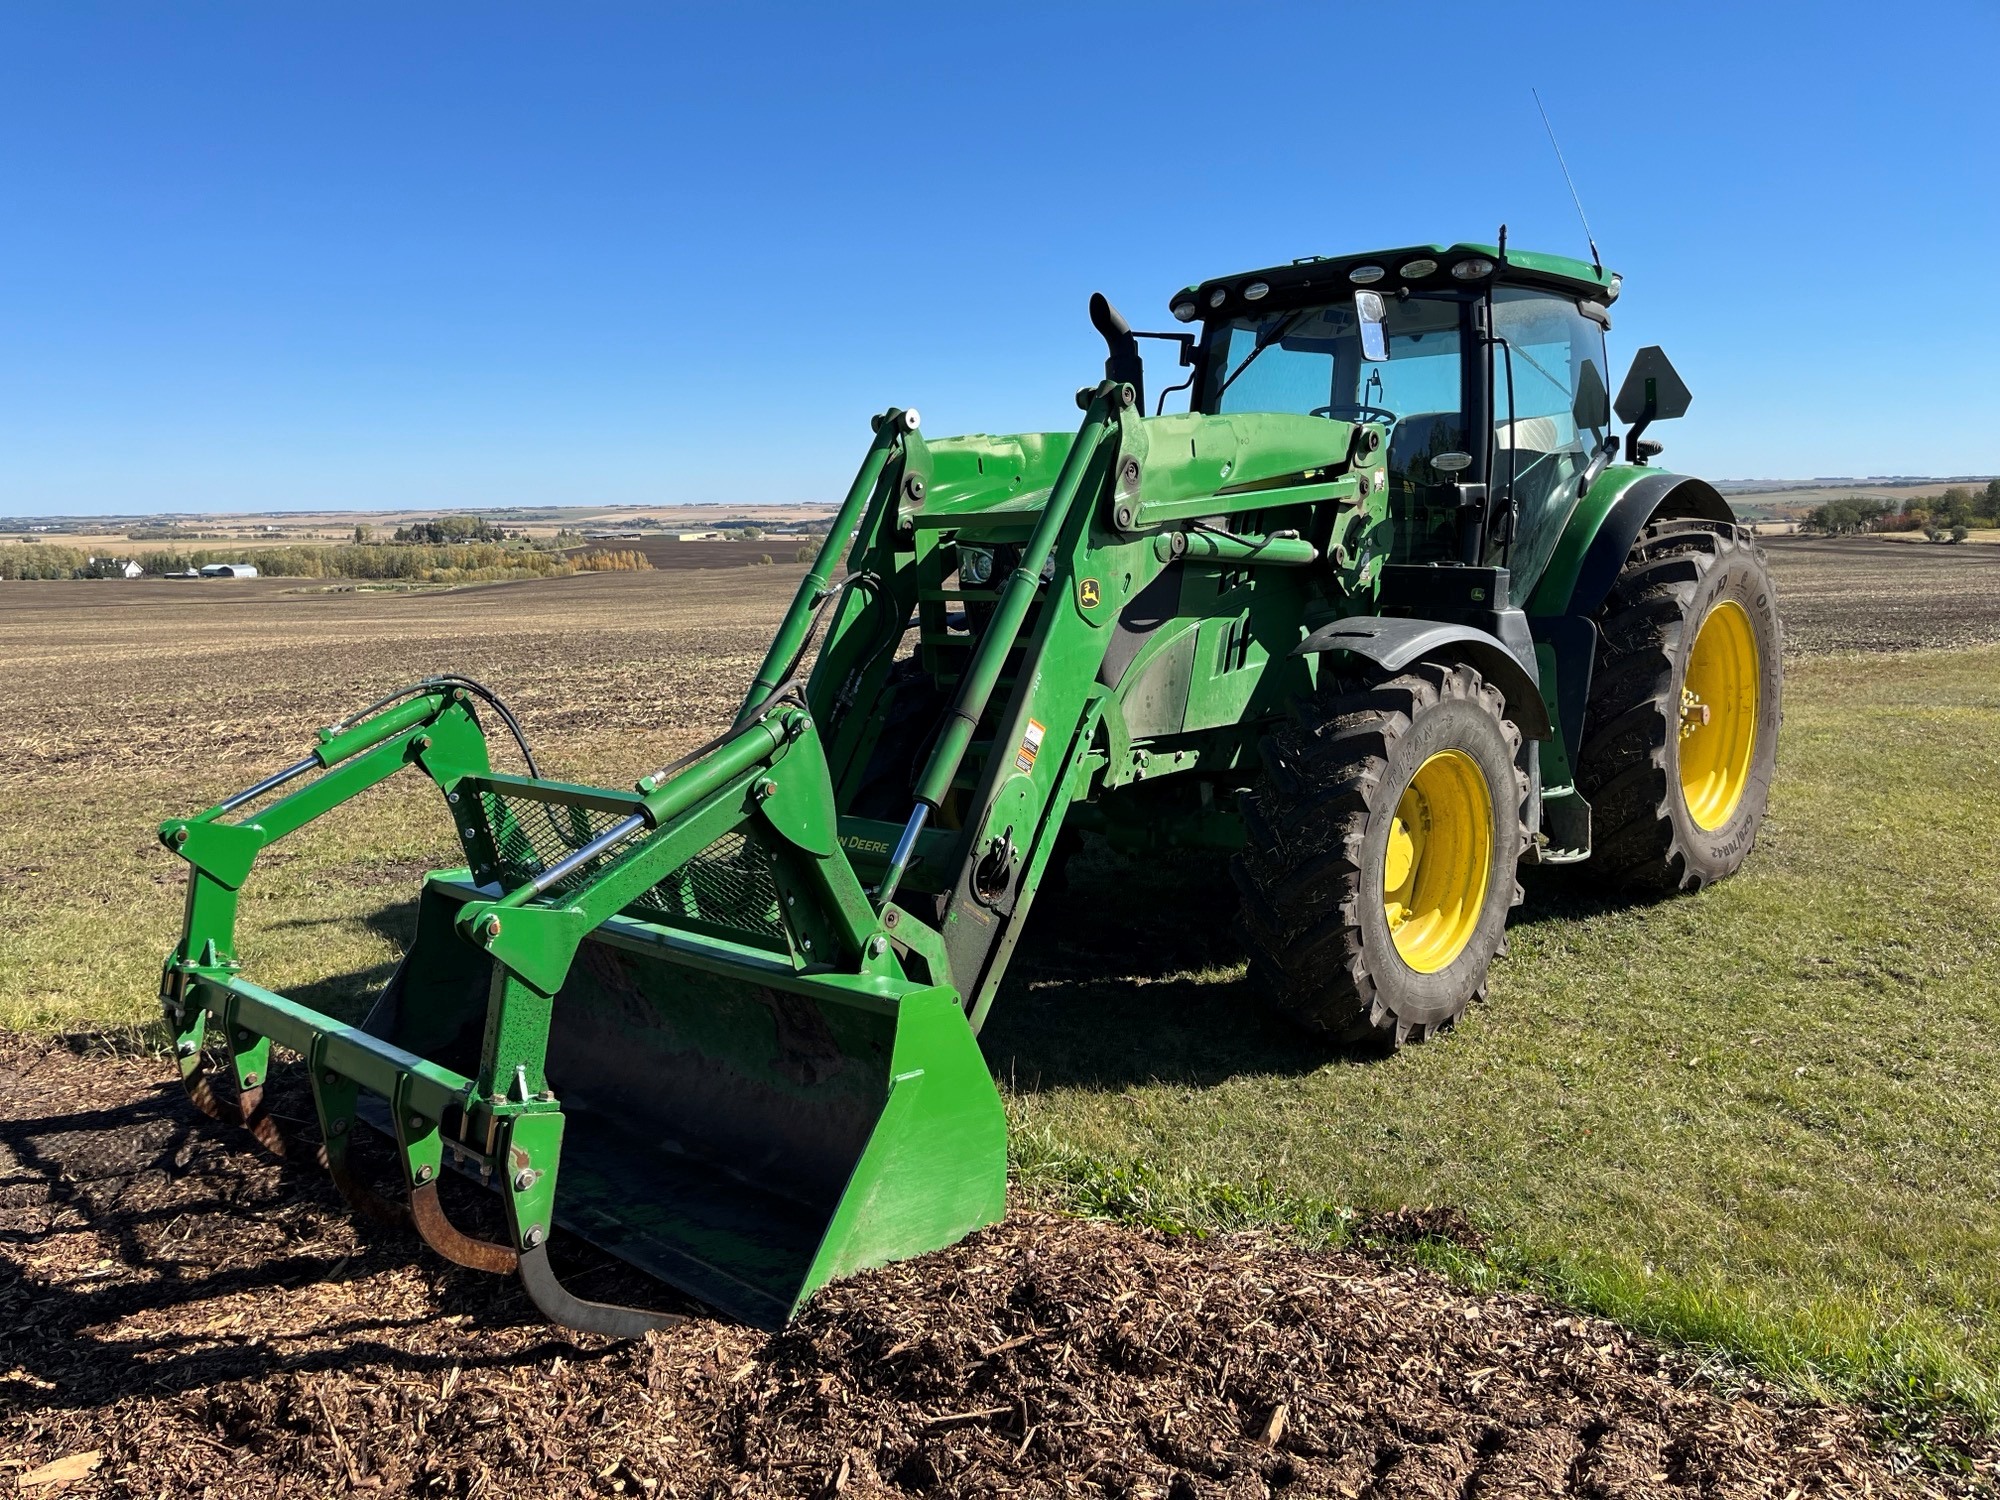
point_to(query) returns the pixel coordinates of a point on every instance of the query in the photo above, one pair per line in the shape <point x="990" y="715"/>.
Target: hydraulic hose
<point x="431" y="684"/>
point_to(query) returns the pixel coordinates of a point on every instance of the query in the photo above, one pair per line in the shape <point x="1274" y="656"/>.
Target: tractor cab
<point x="1487" y="368"/>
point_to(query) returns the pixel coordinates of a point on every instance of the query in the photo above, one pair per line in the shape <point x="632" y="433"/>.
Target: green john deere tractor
<point x="1387" y="612"/>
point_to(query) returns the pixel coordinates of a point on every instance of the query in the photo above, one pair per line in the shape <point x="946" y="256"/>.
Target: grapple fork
<point x="680" y="998"/>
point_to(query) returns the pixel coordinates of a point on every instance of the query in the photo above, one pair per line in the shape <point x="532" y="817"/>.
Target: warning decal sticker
<point x="1031" y="746"/>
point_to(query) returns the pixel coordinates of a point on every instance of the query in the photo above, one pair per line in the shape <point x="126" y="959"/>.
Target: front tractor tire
<point x="1681" y="729"/>
<point x="1379" y="860"/>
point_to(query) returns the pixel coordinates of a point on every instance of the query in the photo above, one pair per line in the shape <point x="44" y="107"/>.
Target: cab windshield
<point x="1308" y="360"/>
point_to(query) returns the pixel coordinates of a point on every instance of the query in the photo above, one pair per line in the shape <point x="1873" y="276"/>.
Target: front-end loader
<point x="1387" y="611"/>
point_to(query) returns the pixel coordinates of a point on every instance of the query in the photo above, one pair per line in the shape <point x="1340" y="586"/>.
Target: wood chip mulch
<point x="180" y="1316"/>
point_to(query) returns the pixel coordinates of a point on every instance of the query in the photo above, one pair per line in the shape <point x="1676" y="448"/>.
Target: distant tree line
<point x="623" y="561"/>
<point x="167" y="533"/>
<point x="470" y="563"/>
<point x="378" y="560"/>
<point x="448" y="530"/>
<point x="42" y="560"/>
<point x="1947" y="517"/>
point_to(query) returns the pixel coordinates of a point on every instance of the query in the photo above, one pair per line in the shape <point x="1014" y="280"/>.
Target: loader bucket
<point x="670" y="1019"/>
<point x="741" y="1134"/>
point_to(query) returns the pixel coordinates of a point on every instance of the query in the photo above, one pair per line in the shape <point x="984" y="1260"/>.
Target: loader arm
<point x="1124" y="642"/>
<point x="736" y="1004"/>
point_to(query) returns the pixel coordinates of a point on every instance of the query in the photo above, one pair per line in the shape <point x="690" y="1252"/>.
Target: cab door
<point x="1551" y="412"/>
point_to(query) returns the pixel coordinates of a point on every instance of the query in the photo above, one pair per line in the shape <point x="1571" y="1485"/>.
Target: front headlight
<point x="975" y="566"/>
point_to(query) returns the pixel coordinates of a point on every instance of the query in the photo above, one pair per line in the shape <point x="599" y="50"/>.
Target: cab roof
<point x="1333" y="274"/>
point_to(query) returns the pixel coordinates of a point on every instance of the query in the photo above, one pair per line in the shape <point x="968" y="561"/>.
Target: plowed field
<point x="181" y="1317"/>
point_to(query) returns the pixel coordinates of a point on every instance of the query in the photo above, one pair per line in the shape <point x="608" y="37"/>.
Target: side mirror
<point x="1369" y="312"/>
<point x="1592" y="406"/>
<point x="1653" y="391"/>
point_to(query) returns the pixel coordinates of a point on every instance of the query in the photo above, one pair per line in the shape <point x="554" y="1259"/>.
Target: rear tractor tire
<point x="1380" y="851"/>
<point x="1681" y="731"/>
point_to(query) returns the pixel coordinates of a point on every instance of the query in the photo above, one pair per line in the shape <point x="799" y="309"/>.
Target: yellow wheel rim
<point x="1439" y="861"/>
<point x="1718" y="727"/>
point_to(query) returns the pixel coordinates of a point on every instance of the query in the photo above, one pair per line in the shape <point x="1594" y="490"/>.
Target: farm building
<point x="228" y="570"/>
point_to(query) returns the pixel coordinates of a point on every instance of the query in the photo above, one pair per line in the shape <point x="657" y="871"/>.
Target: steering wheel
<point x="1362" y="413"/>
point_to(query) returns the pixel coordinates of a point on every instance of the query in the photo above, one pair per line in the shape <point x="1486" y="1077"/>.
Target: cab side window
<point x="1549" y="418"/>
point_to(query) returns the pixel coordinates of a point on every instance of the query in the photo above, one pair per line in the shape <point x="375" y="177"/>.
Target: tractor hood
<point x="1185" y="454"/>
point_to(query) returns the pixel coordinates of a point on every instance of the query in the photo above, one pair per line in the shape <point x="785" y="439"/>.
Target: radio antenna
<point x="1595" y="259"/>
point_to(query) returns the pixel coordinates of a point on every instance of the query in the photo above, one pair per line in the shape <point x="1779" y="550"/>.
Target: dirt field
<point x="1871" y="594"/>
<point x="205" y="1323"/>
<point x="208" y="676"/>
<point x="179" y="1318"/>
<point x="130" y="673"/>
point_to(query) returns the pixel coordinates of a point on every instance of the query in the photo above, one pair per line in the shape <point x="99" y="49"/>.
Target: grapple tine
<point x="360" y="1197"/>
<point x="334" y="1101"/>
<point x="419" y="1143"/>
<point x="249" y="1111"/>
<point x="533" y="1150"/>
<point x="250" y="1106"/>
<point x="449" y="1241"/>
<point x="188" y="1053"/>
<point x="194" y="1080"/>
<point x="560" y="1306"/>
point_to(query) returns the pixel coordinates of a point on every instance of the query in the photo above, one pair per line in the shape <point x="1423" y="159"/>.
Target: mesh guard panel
<point x="730" y="884"/>
<point x="529" y="836"/>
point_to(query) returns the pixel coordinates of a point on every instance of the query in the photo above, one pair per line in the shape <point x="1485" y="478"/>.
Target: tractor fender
<point x="1393" y="643"/>
<point x="1601" y="533"/>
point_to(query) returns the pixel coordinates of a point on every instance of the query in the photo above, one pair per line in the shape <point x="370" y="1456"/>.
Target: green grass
<point x="1913" y="1368"/>
<point x="1764" y="1121"/>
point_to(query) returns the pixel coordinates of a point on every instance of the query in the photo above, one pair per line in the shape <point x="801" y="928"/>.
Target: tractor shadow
<point x="1132" y="975"/>
<point x="145" y="1247"/>
<point x="347" y="997"/>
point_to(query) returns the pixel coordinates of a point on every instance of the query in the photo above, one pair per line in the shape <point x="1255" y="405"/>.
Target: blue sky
<point x="304" y="254"/>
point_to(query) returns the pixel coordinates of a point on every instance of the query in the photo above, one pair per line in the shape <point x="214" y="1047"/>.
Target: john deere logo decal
<point x="1087" y="593"/>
